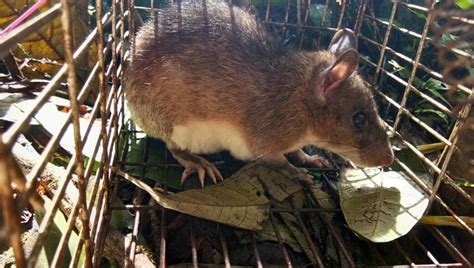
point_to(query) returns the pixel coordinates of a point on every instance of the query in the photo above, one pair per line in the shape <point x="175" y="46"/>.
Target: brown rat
<point x="211" y="78"/>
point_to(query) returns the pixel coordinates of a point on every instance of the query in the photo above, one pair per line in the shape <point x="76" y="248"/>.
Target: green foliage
<point x="138" y="148"/>
<point x="465" y="4"/>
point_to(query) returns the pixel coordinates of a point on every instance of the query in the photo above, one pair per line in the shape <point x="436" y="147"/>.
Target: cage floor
<point x="300" y="235"/>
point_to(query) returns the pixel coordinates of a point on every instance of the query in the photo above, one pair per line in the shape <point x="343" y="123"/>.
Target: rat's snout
<point x="383" y="153"/>
<point x="387" y="160"/>
<point x="378" y="154"/>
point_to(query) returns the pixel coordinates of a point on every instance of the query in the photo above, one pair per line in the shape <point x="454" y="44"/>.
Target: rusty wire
<point x="452" y="21"/>
<point x="449" y="142"/>
<point x="47" y="221"/>
<point x="255" y="250"/>
<point x="341" y="13"/>
<point x="360" y="16"/>
<point x="104" y="188"/>
<point x="415" y="66"/>
<point x="280" y="242"/>
<point x="380" y="70"/>
<point x="322" y="22"/>
<point x="52" y="145"/>
<point x="385" y="40"/>
<point x="73" y="92"/>
<point x="72" y="217"/>
<point x="440" y="171"/>
<point x="225" y="251"/>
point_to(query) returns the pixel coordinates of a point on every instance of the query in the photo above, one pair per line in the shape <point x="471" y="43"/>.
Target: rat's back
<point x="198" y="63"/>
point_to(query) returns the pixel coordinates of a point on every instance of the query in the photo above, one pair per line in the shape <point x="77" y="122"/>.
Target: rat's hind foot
<point x="302" y="158"/>
<point x="193" y="163"/>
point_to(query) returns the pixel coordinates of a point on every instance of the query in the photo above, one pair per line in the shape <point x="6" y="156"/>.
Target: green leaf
<point x="434" y="86"/>
<point x="156" y="170"/>
<point x="55" y="232"/>
<point x="404" y="73"/>
<point x="449" y="39"/>
<point x="380" y="206"/>
<point x="275" y="3"/>
<point x="424" y="111"/>
<point x="409" y="158"/>
<point x="316" y="14"/>
<point x="418" y="14"/>
<point x="465" y="4"/>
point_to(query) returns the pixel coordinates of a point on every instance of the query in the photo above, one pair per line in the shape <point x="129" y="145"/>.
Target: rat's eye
<point x="359" y="120"/>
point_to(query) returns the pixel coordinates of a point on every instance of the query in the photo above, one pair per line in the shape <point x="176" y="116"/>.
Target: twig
<point x="25" y="86"/>
<point x="446" y="221"/>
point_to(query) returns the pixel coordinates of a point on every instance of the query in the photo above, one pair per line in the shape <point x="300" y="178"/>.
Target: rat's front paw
<point x="299" y="157"/>
<point x="282" y="163"/>
<point x="315" y="161"/>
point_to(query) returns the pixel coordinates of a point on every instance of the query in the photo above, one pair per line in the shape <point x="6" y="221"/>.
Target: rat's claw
<point x="217" y="173"/>
<point x="196" y="164"/>
<point x="210" y="173"/>
<point x="186" y="173"/>
<point x="201" y="175"/>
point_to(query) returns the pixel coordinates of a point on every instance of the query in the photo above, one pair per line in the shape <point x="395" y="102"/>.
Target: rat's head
<point x="352" y="127"/>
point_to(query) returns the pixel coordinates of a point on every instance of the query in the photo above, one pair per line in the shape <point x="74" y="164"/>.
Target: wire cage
<point x="423" y="86"/>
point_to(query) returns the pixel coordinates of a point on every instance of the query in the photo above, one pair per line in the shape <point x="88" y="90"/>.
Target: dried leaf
<point x="295" y="229"/>
<point x="380" y="206"/>
<point x="278" y="183"/>
<point x="268" y="234"/>
<point x="291" y="231"/>
<point x="323" y="198"/>
<point x="42" y="53"/>
<point x="238" y="201"/>
<point x="14" y="105"/>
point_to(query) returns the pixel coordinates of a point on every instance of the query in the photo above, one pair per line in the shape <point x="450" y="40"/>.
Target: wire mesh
<point x="89" y="215"/>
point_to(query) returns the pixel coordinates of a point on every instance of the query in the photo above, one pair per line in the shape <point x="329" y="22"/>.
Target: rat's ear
<point x="342" y="41"/>
<point x="344" y="66"/>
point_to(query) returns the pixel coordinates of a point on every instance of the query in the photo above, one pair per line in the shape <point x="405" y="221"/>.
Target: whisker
<point x="259" y="156"/>
<point x="352" y="149"/>
<point x="334" y="142"/>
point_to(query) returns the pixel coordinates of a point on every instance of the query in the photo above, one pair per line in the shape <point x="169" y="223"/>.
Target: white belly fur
<point x="211" y="137"/>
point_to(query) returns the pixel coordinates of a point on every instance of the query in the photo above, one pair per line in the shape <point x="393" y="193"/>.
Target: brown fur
<point x="216" y="62"/>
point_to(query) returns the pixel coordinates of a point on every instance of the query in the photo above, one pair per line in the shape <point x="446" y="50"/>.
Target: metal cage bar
<point x="92" y="225"/>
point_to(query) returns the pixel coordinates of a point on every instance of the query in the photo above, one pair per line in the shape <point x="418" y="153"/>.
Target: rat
<point x="210" y="78"/>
